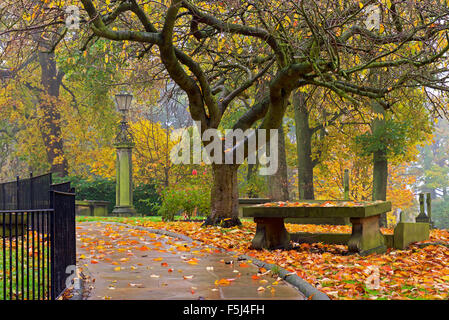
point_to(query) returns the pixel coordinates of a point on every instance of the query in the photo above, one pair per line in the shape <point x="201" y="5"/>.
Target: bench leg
<point x="366" y="237"/>
<point x="271" y="234"/>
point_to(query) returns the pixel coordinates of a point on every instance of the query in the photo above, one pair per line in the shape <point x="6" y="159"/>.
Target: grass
<point x="148" y="218"/>
<point x="12" y="271"/>
<point x="134" y="219"/>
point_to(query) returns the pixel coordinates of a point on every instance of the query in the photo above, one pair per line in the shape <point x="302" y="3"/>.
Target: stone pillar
<point x="124" y="182"/>
<point x="429" y="207"/>
<point x="422" y="217"/>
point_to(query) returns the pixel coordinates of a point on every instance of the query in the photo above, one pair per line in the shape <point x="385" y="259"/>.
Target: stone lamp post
<point x="124" y="144"/>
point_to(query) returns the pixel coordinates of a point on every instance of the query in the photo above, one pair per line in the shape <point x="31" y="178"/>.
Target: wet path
<point x="126" y="264"/>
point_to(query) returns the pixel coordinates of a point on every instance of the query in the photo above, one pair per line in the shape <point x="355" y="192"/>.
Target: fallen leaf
<point x="222" y="282"/>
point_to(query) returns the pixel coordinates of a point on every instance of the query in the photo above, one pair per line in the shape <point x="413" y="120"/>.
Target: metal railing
<point x="37" y="245"/>
<point x="21" y="194"/>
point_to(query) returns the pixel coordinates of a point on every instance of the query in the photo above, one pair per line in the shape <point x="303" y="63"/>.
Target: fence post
<point x="52" y="246"/>
<point x="31" y="191"/>
<point x="3" y="197"/>
<point x="17" y="193"/>
<point x="63" y="244"/>
<point x="346" y="184"/>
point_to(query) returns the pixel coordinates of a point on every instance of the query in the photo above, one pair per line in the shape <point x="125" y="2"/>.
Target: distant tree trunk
<point x="252" y="172"/>
<point x="380" y="162"/>
<point x="380" y="175"/>
<point x="278" y="182"/>
<point x="224" y="196"/>
<point x="304" y="147"/>
<point x="50" y="126"/>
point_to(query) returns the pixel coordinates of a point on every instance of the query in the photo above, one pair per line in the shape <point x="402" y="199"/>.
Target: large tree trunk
<point x="50" y="126"/>
<point x="224" y="196"/>
<point x="304" y="148"/>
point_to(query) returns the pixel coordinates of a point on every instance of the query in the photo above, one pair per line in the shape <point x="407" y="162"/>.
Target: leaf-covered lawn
<point x="421" y="272"/>
<point x="14" y="268"/>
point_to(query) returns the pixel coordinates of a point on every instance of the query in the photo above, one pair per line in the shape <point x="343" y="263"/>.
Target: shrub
<point x="146" y="199"/>
<point x="178" y="200"/>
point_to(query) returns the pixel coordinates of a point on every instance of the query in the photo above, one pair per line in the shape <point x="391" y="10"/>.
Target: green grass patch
<point x="137" y="219"/>
<point x="14" y="271"/>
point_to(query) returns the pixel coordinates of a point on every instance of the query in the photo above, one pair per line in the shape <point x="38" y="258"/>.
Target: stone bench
<point x="91" y="208"/>
<point x="366" y="236"/>
<point x="243" y="202"/>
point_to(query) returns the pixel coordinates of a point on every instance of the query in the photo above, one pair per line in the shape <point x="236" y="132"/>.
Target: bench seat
<point x="366" y="237"/>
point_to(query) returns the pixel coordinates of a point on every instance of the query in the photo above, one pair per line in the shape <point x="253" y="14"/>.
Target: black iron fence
<point x="37" y="243"/>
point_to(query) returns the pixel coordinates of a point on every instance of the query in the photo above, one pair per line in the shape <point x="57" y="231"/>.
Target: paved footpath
<point x="125" y="264"/>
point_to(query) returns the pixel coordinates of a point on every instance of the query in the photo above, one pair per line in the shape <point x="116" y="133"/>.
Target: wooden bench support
<point x="366" y="237"/>
<point x="271" y="234"/>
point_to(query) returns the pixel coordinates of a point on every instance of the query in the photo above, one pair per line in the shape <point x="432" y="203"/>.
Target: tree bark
<point x="50" y="125"/>
<point x="252" y="172"/>
<point x="278" y="182"/>
<point x="304" y="148"/>
<point x="380" y="175"/>
<point x="380" y="163"/>
<point x="224" y="196"/>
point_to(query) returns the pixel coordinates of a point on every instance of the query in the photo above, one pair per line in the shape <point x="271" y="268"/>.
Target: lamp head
<point x="123" y="101"/>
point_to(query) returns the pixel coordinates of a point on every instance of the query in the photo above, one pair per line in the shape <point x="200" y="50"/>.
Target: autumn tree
<point x="37" y="46"/>
<point x="217" y="51"/>
<point x="313" y="113"/>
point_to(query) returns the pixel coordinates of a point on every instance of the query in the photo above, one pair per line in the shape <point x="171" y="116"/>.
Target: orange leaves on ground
<point x="158" y="259"/>
<point x="143" y="248"/>
<point x="255" y="277"/>
<point x="192" y="261"/>
<point x="243" y="265"/>
<point x="407" y="274"/>
<point x="222" y="282"/>
<point x="164" y="264"/>
<point x="315" y="204"/>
